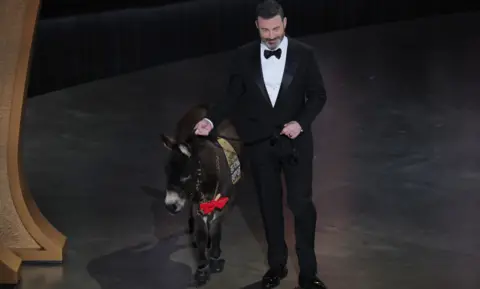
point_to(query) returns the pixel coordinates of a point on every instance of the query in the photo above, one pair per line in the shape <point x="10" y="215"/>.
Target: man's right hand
<point x="203" y="127"/>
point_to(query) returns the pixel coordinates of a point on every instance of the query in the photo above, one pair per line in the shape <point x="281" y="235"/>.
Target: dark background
<point x="79" y="41"/>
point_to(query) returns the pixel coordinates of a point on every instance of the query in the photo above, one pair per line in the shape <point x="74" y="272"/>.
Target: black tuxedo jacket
<point x="301" y="97"/>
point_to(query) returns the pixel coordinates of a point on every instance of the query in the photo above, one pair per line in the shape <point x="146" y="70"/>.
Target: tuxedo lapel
<point x="258" y="73"/>
<point x="290" y="68"/>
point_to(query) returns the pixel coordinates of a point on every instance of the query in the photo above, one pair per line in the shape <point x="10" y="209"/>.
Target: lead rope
<point x="293" y="159"/>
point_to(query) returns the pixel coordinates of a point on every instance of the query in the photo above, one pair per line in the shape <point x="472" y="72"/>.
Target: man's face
<point x="271" y="30"/>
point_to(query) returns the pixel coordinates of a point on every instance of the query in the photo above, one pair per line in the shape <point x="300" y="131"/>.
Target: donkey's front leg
<point x="202" y="274"/>
<point x="191" y="228"/>
<point x="216" y="263"/>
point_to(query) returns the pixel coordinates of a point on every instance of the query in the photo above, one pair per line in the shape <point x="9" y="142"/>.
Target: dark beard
<point x="278" y="40"/>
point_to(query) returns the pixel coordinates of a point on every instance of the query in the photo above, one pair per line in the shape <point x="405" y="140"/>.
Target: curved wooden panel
<point x="9" y="266"/>
<point x="23" y="229"/>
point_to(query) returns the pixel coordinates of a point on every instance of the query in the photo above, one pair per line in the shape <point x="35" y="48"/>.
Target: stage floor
<point x="397" y="168"/>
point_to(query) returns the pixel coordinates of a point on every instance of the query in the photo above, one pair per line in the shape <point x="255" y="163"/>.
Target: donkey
<point x="202" y="173"/>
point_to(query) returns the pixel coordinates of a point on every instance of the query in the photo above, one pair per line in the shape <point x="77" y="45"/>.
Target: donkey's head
<point x="191" y="172"/>
<point x="183" y="174"/>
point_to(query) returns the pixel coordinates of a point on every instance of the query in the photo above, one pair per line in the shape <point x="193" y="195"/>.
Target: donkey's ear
<point x="168" y="142"/>
<point x="185" y="150"/>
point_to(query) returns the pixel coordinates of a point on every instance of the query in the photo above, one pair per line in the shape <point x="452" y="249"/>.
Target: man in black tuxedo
<point x="275" y="84"/>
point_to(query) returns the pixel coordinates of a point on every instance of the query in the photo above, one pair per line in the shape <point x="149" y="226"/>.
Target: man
<point x="275" y="84"/>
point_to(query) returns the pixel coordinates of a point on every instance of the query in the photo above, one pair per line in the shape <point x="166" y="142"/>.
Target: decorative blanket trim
<point x="232" y="159"/>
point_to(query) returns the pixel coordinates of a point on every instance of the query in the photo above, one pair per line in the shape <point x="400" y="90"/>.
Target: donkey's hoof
<point x="193" y="244"/>
<point x="202" y="276"/>
<point x="217" y="265"/>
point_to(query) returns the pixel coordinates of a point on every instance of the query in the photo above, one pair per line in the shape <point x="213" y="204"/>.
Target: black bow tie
<point x="269" y="53"/>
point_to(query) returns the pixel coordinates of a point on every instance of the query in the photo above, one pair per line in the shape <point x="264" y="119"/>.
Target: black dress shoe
<point x="272" y="278"/>
<point x="312" y="283"/>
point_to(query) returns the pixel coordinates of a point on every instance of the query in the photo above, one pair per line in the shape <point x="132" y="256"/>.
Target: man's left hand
<point x="291" y="129"/>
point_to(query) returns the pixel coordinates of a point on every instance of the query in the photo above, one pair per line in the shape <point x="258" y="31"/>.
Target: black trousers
<point x="267" y="163"/>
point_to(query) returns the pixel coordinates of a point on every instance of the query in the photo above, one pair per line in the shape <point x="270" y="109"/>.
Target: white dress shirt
<point x="272" y="70"/>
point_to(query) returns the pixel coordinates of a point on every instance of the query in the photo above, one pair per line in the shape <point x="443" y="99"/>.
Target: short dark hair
<point x="268" y="9"/>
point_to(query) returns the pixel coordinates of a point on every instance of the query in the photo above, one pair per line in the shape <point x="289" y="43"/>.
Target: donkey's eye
<point x="184" y="179"/>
